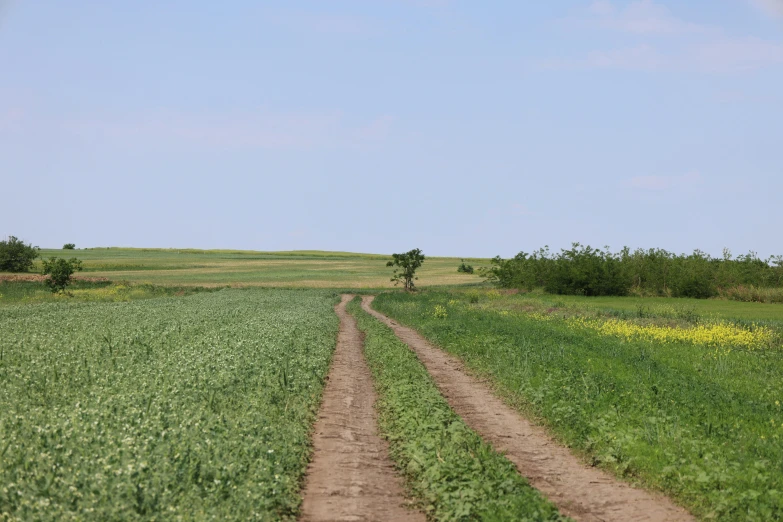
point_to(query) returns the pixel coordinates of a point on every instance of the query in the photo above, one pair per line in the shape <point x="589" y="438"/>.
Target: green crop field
<point x="196" y="407"/>
<point x="687" y="405"/>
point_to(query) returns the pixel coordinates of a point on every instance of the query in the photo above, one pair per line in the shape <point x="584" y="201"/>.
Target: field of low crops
<point x="298" y="269"/>
<point x="685" y="404"/>
<point x="194" y="407"/>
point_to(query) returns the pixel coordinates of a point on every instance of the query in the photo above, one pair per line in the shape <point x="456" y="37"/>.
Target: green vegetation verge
<point x="81" y="291"/>
<point x="189" y="408"/>
<point x="702" y="423"/>
<point x="453" y="473"/>
<point x="661" y="306"/>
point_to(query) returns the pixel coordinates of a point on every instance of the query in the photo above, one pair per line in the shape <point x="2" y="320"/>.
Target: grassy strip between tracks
<point x="452" y="472"/>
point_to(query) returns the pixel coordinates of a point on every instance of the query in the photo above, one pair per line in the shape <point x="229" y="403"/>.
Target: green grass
<point x="187" y="408"/>
<point x="248" y="268"/>
<point x="701" y="425"/>
<point x="453" y="473"/>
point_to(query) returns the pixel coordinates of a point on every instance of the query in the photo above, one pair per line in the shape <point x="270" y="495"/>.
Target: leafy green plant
<point x="452" y="472"/>
<point x="440" y="312"/>
<point x="406" y="264"/>
<point x="15" y="256"/>
<point x="60" y="271"/>
<point x="69" y="246"/>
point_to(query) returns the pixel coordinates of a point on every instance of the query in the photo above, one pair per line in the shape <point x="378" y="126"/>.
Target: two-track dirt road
<point x="351" y="477"/>
<point x="578" y="490"/>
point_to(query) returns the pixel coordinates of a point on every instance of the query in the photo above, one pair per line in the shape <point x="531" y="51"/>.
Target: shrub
<point x="15" y="256"/>
<point x="60" y="271"/>
<point x="69" y="246"/>
<point x="583" y="270"/>
<point x="465" y="268"/>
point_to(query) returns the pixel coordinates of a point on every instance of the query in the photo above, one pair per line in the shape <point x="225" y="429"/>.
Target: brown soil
<point x="578" y="490"/>
<point x="351" y="476"/>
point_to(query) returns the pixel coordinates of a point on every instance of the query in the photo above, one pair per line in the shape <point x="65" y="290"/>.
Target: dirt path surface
<point x="579" y="491"/>
<point x="351" y="476"/>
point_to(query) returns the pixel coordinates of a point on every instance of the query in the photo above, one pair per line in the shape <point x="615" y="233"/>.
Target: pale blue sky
<point x="463" y="128"/>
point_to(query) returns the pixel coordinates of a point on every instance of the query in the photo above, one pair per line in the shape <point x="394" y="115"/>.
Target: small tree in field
<point x="60" y="271"/>
<point x="407" y="264"/>
<point x="15" y="256"/>
<point x="69" y="246"/>
<point x="465" y="268"/>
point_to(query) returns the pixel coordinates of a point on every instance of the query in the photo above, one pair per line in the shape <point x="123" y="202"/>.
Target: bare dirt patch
<point x="351" y="476"/>
<point x="579" y="491"/>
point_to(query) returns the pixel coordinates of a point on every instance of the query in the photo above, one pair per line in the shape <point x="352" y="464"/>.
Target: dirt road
<point x="351" y="477"/>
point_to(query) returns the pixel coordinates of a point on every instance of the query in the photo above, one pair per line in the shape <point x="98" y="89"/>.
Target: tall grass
<point x="752" y="294"/>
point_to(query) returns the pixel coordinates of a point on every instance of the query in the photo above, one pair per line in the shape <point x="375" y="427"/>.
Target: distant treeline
<point x="583" y="270"/>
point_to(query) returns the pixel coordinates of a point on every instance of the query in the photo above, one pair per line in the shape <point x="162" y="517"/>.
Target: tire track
<point x="351" y="476"/>
<point x="579" y="491"/>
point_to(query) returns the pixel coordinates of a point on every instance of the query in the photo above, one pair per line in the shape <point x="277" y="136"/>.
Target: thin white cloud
<point x="670" y="43"/>
<point x="521" y="210"/>
<point x="734" y="55"/>
<point x="323" y="23"/>
<point x="638" y="58"/>
<point x="771" y="7"/>
<point x="377" y="130"/>
<point x="256" y="129"/>
<point x="724" y="55"/>
<point x="427" y="3"/>
<point x="638" y="17"/>
<point x="663" y="183"/>
<point x="11" y="118"/>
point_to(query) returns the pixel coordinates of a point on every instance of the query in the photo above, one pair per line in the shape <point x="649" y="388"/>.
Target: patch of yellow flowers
<point x="714" y="334"/>
<point x="707" y="334"/>
<point x="440" y="312"/>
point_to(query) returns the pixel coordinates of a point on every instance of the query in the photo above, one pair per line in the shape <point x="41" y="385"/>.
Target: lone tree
<point x="407" y="264"/>
<point x="60" y="271"/>
<point x="15" y="256"/>
<point x="69" y="246"/>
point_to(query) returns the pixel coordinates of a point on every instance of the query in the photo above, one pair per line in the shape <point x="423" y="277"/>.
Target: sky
<point x="463" y="128"/>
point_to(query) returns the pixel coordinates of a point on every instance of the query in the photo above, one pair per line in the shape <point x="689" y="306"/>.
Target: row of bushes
<point x="583" y="270"/>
